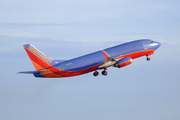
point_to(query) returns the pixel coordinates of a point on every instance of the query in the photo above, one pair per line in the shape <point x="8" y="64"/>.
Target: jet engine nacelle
<point x="123" y="62"/>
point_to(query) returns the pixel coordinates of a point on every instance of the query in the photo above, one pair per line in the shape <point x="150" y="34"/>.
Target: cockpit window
<point x="151" y="41"/>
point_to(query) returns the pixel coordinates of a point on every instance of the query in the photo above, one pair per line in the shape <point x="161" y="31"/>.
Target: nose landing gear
<point x="148" y="58"/>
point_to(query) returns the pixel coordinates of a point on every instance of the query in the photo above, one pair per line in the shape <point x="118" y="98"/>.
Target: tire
<point x="104" y="73"/>
<point x="96" y="73"/>
<point x="148" y="59"/>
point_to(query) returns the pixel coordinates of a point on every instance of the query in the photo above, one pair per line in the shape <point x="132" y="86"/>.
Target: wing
<point x="109" y="60"/>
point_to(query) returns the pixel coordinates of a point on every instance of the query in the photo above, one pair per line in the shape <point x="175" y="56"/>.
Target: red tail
<point x="39" y="60"/>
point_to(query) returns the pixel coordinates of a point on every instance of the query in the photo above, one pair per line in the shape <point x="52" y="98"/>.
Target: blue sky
<point x="67" y="29"/>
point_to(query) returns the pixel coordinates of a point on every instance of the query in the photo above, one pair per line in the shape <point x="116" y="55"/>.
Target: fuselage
<point x="91" y="62"/>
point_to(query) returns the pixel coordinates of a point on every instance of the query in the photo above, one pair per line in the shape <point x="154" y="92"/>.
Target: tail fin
<point x="39" y="60"/>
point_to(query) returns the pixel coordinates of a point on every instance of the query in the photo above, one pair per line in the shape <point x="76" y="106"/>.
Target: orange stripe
<point x="46" y="74"/>
<point x="38" y="67"/>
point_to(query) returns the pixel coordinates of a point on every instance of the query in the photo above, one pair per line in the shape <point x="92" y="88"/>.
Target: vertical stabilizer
<point x="39" y="60"/>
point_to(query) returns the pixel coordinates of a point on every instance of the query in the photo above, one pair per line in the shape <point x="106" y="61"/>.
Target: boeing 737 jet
<point x="117" y="56"/>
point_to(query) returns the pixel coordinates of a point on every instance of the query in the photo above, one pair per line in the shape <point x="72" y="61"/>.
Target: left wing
<point x="124" y="61"/>
<point x="109" y="60"/>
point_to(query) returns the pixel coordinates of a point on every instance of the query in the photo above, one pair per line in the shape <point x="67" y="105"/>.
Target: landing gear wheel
<point x="148" y="59"/>
<point x="104" y="73"/>
<point x="96" y="73"/>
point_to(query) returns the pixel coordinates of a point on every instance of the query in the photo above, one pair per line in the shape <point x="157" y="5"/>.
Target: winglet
<point x="106" y="55"/>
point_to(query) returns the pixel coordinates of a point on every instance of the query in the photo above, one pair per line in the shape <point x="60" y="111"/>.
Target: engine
<point x="123" y="62"/>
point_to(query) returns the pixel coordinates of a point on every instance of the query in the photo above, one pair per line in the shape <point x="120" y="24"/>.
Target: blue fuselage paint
<point x="93" y="59"/>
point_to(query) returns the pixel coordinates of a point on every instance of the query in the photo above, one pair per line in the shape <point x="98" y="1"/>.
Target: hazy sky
<point x="67" y="29"/>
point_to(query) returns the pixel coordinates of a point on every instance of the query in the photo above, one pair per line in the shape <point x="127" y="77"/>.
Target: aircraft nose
<point x="155" y="45"/>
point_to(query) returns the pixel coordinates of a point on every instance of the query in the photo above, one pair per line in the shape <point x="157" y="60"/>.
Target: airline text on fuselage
<point x="40" y="54"/>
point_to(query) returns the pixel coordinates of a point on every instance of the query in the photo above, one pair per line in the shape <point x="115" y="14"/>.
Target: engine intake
<point x="123" y="62"/>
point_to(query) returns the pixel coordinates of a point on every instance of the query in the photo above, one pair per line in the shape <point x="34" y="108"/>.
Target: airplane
<point x="118" y="56"/>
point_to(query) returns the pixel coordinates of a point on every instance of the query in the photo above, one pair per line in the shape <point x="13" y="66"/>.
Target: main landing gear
<point x="96" y="73"/>
<point x="104" y="73"/>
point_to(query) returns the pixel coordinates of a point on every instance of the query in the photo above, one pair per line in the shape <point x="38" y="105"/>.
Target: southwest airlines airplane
<point x="117" y="56"/>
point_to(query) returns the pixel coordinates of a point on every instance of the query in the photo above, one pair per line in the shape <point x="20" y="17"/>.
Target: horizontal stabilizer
<point x="27" y="72"/>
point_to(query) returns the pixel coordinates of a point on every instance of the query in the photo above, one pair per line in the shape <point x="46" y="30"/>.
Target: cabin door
<point x="61" y="70"/>
<point x="145" y="45"/>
